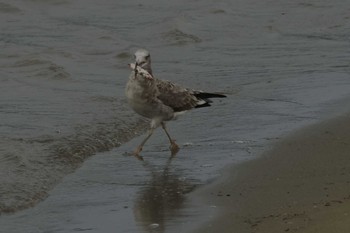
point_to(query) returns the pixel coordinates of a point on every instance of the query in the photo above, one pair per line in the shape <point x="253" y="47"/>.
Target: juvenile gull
<point x="160" y="100"/>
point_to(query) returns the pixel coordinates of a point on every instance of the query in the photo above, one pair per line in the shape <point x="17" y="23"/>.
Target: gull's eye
<point x="147" y="57"/>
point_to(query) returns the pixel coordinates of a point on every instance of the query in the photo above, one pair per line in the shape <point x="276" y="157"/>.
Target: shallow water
<point x="113" y="192"/>
<point x="63" y="71"/>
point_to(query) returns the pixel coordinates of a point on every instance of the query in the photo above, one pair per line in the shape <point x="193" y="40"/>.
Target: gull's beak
<point x="136" y="64"/>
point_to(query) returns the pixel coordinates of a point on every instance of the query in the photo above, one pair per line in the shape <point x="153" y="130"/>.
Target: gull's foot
<point x="136" y="153"/>
<point x="174" y="148"/>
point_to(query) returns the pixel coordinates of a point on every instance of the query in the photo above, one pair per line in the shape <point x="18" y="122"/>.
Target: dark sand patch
<point x="301" y="185"/>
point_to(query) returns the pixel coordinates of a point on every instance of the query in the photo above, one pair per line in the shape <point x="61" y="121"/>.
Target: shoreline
<point x="302" y="184"/>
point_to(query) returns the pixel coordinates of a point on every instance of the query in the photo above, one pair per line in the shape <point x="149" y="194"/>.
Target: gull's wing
<point x="177" y="97"/>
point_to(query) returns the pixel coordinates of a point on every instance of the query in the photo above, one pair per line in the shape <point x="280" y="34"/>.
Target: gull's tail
<point x="204" y="98"/>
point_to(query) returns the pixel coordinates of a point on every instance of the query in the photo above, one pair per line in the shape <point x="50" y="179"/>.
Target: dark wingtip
<point x="205" y="95"/>
<point x="207" y="104"/>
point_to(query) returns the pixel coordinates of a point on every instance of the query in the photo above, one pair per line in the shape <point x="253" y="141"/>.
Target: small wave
<point x="51" y="2"/>
<point x="7" y="8"/>
<point x="179" y="37"/>
<point x="124" y="56"/>
<point x="42" y="68"/>
<point x="86" y="142"/>
<point x="218" y="11"/>
<point x="98" y="52"/>
<point x="11" y="158"/>
<point x="103" y="99"/>
<point x="316" y="36"/>
<point x="26" y="180"/>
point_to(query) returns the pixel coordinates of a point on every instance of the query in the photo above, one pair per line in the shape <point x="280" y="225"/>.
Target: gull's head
<point x="143" y="59"/>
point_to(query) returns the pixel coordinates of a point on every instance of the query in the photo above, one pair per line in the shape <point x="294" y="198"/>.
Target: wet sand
<point x="301" y="185"/>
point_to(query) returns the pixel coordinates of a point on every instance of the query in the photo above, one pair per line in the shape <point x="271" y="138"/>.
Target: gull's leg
<point x="173" y="146"/>
<point x="139" y="148"/>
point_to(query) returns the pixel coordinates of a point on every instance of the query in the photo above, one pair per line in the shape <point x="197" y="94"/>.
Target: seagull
<point x="160" y="100"/>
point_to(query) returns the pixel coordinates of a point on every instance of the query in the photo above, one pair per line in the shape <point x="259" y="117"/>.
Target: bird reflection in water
<point x="162" y="198"/>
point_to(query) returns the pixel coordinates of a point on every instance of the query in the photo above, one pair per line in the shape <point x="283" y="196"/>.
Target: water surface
<point x="63" y="70"/>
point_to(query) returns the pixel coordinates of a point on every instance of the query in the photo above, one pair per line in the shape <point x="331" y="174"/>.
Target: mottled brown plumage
<point x="160" y="100"/>
<point x="178" y="98"/>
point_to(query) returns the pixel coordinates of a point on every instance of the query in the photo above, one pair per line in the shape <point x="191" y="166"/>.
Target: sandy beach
<point x="301" y="185"/>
